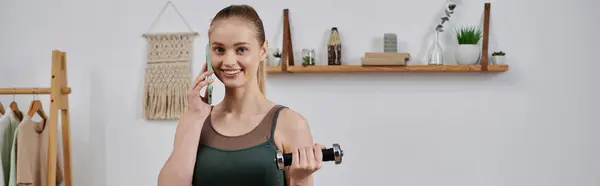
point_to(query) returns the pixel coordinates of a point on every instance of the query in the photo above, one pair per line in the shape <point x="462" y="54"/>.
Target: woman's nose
<point x="230" y="59"/>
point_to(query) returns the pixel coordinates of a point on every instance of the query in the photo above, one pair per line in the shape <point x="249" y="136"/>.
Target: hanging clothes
<point x="12" y="178"/>
<point x="2" y="177"/>
<point x="8" y="124"/>
<point x="32" y="153"/>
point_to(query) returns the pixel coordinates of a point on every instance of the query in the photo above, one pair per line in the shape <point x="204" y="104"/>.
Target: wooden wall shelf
<point x="407" y="68"/>
<point x="289" y="67"/>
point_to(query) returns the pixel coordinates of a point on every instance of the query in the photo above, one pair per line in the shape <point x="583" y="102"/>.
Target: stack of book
<point x="385" y="58"/>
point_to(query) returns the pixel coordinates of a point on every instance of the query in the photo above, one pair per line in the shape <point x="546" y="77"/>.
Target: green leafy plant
<point x="468" y="35"/>
<point x="500" y="53"/>
<point x="277" y="54"/>
<point x="308" y="60"/>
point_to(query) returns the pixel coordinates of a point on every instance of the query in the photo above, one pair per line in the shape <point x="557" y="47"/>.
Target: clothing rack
<point x="59" y="101"/>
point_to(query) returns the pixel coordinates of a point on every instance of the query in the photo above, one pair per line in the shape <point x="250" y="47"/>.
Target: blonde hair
<point x="260" y="76"/>
<point x="249" y="14"/>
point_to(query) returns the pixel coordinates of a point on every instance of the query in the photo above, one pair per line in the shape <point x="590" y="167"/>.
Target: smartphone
<point x="209" y="87"/>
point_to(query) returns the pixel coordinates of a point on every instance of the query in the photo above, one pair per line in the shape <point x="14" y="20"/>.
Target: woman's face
<point x="235" y="52"/>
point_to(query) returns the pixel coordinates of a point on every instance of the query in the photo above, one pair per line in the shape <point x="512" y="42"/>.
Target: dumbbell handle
<point x="328" y="155"/>
<point x="331" y="154"/>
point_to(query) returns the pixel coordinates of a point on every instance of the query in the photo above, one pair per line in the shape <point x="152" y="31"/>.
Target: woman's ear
<point x="264" y="49"/>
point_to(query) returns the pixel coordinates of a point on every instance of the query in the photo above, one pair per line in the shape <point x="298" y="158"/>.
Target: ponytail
<point x="260" y="76"/>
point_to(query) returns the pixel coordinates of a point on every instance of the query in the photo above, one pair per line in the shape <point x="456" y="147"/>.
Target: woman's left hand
<point x="306" y="161"/>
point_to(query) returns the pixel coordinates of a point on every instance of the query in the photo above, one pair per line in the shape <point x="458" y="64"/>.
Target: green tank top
<point x="245" y="160"/>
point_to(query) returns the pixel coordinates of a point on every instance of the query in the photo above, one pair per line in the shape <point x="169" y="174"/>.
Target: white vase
<point x="436" y="54"/>
<point x="276" y="61"/>
<point x="467" y="54"/>
<point x="498" y="60"/>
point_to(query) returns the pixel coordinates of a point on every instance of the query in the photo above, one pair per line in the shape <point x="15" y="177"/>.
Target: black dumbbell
<point x="331" y="154"/>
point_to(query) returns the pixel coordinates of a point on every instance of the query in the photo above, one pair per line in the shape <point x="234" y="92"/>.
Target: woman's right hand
<point x="196" y="102"/>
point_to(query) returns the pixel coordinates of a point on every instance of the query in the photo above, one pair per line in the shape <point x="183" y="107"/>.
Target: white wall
<point x="532" y="125"/>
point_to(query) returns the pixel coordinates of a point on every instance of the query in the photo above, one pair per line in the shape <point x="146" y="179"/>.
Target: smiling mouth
<point x="232" y="71"/>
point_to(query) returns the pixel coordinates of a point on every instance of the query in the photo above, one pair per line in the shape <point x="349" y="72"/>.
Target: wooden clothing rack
<point x="59" y="101"/>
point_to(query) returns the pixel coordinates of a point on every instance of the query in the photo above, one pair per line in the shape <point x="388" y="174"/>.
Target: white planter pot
<point x="467" y="54"/>
<point x="498" y="60"/>
<point x="276" y="61"/>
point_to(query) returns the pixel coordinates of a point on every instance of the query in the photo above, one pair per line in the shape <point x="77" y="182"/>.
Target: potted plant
<point x="308" y="61"/>
<point x="277" y="56"/>
<point x="468" y="51"/>
<point x="498" y="58"/>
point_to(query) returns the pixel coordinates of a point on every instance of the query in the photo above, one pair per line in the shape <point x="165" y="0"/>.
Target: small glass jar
<point x="306" y="57"/>
<point x="312" y="56"/>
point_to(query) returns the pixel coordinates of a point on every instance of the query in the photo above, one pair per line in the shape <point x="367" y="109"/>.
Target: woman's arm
<point x="297" y="139"/>
<point x="179" y="168"/>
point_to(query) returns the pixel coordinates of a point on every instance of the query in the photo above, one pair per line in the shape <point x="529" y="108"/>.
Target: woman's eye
<point x="219" y="50"/>
<point x="241" y="50"/>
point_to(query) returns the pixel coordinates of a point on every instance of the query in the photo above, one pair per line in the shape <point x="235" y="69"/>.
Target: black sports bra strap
<point x="275" y="116"/>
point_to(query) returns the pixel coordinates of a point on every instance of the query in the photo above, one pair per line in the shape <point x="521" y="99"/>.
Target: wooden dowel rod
<point x="66" y="90"/>
<point x="170" y="33"/>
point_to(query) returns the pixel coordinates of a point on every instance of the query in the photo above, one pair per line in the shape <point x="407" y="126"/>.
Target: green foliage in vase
<point x="450" y="6"/>
<point x="468" y="35"/>
<point x="309" y="59"/>
<point x="500" y="53"/>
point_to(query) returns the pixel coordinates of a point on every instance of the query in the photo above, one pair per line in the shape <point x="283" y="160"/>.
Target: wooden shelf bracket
<point x="486" y="37"/>
<point x="287" y="54"/>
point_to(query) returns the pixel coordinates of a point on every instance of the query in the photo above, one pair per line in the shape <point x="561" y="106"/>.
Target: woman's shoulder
<point x="292" y="130"/>
<point x="290" y="121"/>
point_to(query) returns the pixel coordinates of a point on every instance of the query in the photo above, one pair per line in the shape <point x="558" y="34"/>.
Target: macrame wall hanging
<point x="168" y="71"/>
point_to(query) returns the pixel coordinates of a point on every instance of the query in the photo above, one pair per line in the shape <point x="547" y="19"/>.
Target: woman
<point x="235" y="142"/>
